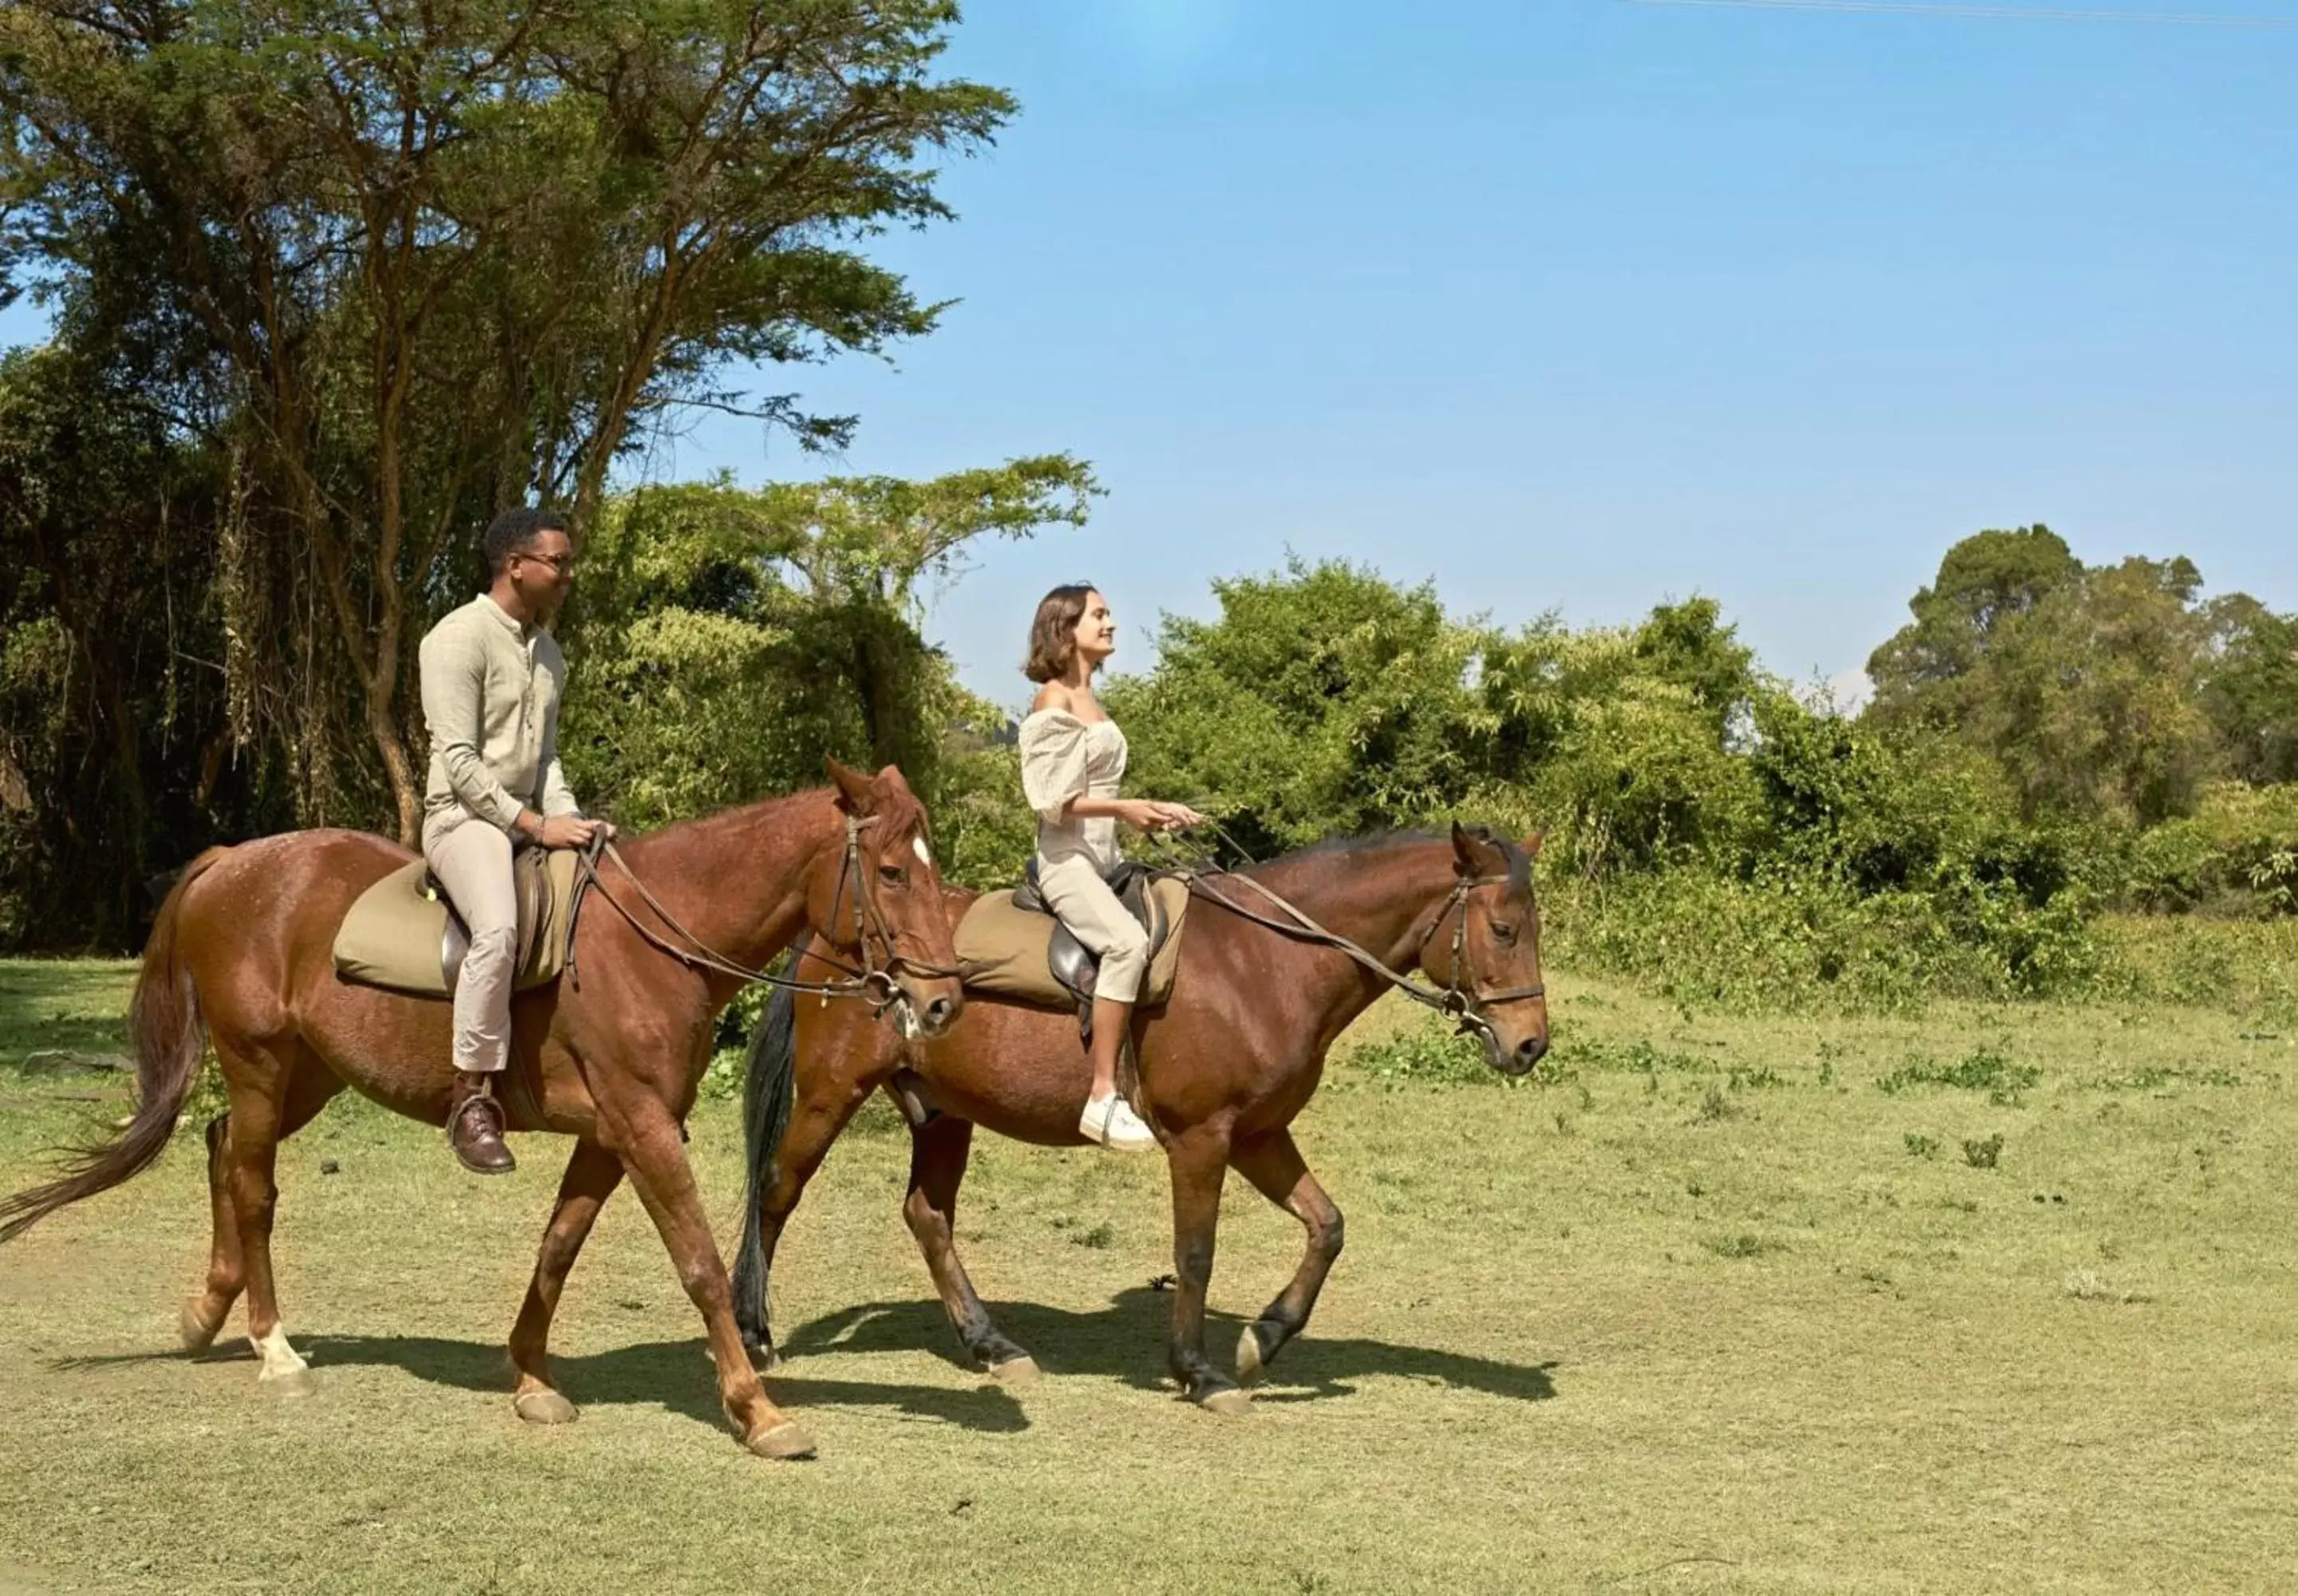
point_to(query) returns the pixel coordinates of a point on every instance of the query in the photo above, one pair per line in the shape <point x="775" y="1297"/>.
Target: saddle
<point x="1071" y="963"/>
<point x="403" y="935"/>
<point x="1010" y="945"/>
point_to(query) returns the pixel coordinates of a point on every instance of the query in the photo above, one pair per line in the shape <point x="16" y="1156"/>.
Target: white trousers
<point x="471" y="857"/>
<point x="1082" y="902"/>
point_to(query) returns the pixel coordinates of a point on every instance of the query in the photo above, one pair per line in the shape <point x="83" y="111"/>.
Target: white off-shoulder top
<point x="1065" y="757"/>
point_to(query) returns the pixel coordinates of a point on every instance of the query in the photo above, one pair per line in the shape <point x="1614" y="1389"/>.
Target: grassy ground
<point x="1735" y="1305"/>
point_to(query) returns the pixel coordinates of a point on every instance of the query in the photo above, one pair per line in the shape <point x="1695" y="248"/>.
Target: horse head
<point x="877" y="903"/>
<point x="1484" y="948"/>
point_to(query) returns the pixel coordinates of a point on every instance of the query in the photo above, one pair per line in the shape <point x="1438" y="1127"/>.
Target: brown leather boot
<point x="475" y="1127"/>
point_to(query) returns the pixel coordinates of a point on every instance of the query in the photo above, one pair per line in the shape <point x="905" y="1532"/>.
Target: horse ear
<point x="1532" y="844"/>
<point x="892" y="779"/>
<point x="857" y="795"/>
<point x="1468" y="852"/>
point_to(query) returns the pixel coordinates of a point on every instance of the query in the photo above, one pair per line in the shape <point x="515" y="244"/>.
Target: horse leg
<point x="656" y="1160"/>
<point x="937" y="1155"/>
<point x="204" y="1314"/>
<point x="1272" y="1163"/>
<point x="830" y="1103"/>
<point x="1199" y="1159"/>
<point x="259" y="1083"/>
<point x="592" y="1175"/>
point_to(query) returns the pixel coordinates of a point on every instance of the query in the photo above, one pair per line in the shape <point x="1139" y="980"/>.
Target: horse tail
<point x="769" y="1084"/>
<point x="171" y="1045"/>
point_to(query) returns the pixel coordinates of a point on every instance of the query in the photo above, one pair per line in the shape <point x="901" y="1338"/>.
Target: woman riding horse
<point x="1275" y="962"/>
<point x="1072" y="762"/>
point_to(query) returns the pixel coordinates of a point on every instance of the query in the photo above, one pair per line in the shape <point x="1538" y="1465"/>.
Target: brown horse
<point x="1223" y="1069"/>
<point x="610" y="1055"/>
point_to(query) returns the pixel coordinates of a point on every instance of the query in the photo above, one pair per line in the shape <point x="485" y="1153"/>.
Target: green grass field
<point x="1736" y="1305"/>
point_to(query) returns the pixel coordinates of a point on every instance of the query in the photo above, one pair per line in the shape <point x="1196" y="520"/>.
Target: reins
<point x="1465" y="1005"/>
<point x="878" y="982"/>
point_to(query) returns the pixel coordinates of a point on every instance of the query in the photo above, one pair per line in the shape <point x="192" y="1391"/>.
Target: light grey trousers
<point x="471" y="857"/>
<point x="1081" y="901"/>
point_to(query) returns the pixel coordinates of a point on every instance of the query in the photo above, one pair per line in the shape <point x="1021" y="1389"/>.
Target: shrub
<point x="2237" y="855"/>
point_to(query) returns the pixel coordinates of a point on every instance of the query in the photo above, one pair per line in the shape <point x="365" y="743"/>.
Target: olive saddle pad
<point x="402" y="935"/>
<point x="1002" y="950"/>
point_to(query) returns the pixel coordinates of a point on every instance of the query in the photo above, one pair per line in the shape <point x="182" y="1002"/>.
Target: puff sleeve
<point x="1052" y="763"/>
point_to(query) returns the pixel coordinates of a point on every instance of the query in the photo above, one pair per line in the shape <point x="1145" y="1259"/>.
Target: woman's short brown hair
<point x="1053" y="635"/>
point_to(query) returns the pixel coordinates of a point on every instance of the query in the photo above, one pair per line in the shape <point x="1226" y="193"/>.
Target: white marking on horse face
<point x="279" y="1356"/>
<point x="918" y="847"/>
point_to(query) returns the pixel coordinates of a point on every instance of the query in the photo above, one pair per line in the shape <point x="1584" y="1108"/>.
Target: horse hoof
<point x="1229" y="1402"/>
<point x="1250" y="1366"/>
<point x="544" y="1406"/>
<point x="1015" y="1372"/>
<point x="786" y="1440"/>
<point x="192" y="1326"/>
<point x="289" y="1382"/>
<point x="765" y="1360"/>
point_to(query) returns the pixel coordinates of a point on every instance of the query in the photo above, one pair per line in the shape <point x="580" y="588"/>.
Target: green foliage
<point x="985" y="831"/>
<point x="727" y="639"/>
<point x="1425" y="1054"/>
<point x="1984" y="1152"/>
<point x="1322" y="701"/>
<point x="2083" y="684"/>
<point x="116" y="754"/>
<point x="2237" y="854"/>
<point x="1615" y="740"/>
<point x="1987" y="1070"/>
<point x="410" y="266"/>
<point x="1786" y="938"/>
<point x="2252" y="693"/>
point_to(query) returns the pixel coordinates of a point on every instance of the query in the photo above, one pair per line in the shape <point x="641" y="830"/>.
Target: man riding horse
<point x="492" y="678"/>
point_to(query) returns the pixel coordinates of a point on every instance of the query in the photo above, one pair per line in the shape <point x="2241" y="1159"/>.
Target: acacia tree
<point x="416" y="260"/>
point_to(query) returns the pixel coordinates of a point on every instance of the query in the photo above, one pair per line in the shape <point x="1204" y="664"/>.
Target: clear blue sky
<point x="1580" y="304"/>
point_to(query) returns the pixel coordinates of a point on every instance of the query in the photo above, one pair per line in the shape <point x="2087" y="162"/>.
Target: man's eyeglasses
<point x="564" y="565"/>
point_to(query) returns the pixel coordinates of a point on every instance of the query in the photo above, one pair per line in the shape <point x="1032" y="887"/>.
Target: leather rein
<point x="1464" y="1004"/>
<point x="872" y="980"/>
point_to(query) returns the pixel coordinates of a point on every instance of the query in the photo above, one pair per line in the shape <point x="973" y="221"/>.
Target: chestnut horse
<point x="1223" y="1069"/>
<point x="611" y="1054"/>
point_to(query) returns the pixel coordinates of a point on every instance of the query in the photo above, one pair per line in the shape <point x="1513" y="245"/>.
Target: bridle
<point x="869" y="918"/>
<point x="1469" y="1002"/>
<point x="869" y="980"/>
<point x="1466" y="1005"/>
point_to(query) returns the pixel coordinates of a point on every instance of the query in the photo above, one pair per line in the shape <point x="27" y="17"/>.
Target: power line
<point x="1993" y="13"/>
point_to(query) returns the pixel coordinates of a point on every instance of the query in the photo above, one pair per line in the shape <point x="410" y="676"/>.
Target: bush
<point x="2237" y="855"/>
<point x="1794" y="937"/>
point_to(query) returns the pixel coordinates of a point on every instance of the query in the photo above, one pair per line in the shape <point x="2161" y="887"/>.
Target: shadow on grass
<point x="1126" y="1341"/>
<point x="60" y="1006"/>
<point x="674" y="1374"/>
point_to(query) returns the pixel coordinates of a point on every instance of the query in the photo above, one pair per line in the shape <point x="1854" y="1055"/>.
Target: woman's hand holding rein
<point x="1147" y="814"/>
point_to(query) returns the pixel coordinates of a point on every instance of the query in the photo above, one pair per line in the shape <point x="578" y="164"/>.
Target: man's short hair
<point x="512" y="531"/>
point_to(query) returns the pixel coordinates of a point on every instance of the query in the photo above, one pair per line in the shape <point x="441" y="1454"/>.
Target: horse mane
<point x="1519" y="862"/>
<point x="901" y="812"/>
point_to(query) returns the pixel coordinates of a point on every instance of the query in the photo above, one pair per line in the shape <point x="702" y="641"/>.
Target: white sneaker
<point x="1111" y="1122"/>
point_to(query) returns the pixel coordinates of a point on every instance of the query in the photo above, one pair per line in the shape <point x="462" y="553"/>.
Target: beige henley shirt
<point x="491" y="692"/>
